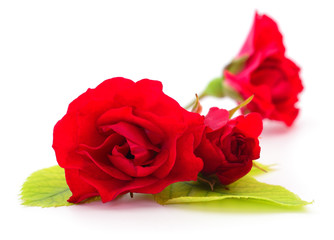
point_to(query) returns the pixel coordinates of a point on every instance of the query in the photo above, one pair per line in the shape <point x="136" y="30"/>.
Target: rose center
<point x="129" y="155"/>
<point x="139" y="155"/>
<point x="238" y="145"/>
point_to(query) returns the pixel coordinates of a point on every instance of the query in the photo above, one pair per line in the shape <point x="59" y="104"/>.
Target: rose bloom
<point x="229" y="146"/>
<point x="267" y="74"/>
<point x="126" y="137"/>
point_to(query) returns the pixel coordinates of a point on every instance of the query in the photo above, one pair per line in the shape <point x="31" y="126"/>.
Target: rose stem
<point x="211" y="184"/>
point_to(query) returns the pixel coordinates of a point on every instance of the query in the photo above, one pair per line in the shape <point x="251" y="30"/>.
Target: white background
<point x="52" y="51"/>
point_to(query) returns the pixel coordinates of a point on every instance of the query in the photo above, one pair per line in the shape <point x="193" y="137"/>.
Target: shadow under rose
<point x="272" y="128"/>
<point x="123" y="202"/>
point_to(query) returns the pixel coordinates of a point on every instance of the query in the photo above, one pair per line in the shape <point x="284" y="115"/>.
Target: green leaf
<point x="241" y="105"/>
<point x="245" y="188"/>
<point x="47" y="188"/>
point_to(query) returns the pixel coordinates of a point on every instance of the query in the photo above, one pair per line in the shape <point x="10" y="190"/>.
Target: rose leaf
<point x="245" y="188"/>
<point x="47" y="188"/>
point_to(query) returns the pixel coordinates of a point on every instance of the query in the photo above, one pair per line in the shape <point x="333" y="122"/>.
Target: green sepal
<point x="259" y="169"/>
<point x="214" y="88"/>
<point x="47" y="188"/>
<point x="197" y="108"/>
<point x="237" y="65"/>
<point x="241" y="105"/>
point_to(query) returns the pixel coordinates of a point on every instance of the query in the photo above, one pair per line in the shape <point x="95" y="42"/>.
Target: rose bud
<point x="126" y="137"/>
<point x="229" y="146"/>
<point x="261" y="69"/>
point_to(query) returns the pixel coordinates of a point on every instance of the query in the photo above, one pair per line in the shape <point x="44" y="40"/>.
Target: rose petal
<point x="216" y="118"/>
<point x="264" y="34"/>
<point x="107" y="167"/>
<point x="127" y="165"/>
<point x="107" y="145"/>
<point x="186" y="167"/>
<point x="233" y="171"/>
<point x="79" y="123"/>
<point x="165" y="169"/>
<point x="80" y="189"/>
<point x="171" y="124"/>
<point x="125" y="114"/>
<point x="98" y="156"/>
<point x="213" y="156"/>
<point x="109" y="189"/>
<point x="134" y="134"/>
<point x="141" y="155"/>
<point x="250" y="125"/>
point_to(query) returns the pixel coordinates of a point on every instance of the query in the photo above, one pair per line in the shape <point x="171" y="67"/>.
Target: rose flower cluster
<point x="129" y="137"/>
<point x="126" y="136"/>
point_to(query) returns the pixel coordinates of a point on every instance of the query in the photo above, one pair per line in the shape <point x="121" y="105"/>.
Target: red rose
<point x="229" y="145"/>
<point x="267" y="74"/>
<point x="125" y="137"/>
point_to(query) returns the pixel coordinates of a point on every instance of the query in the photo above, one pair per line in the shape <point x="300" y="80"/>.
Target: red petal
<point x="80" y="189"/>
<point x="251" y="125"/>
<point x="134" y="134"/>
<point x="216" y="118"/>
